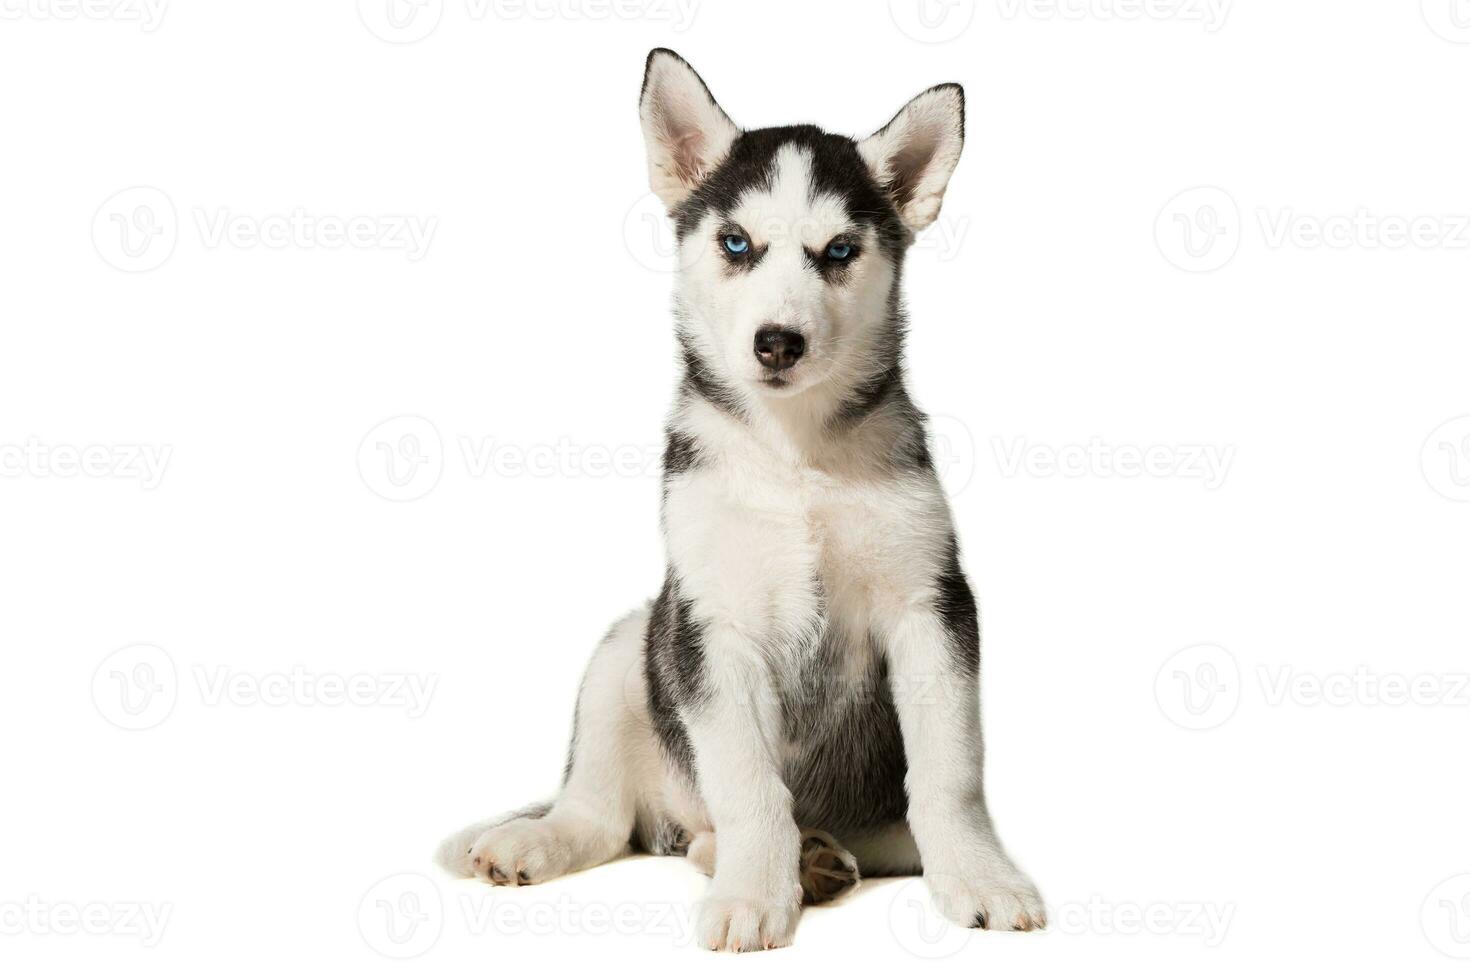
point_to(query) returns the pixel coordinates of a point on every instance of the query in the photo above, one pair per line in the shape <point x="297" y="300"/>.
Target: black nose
<point x="777" y="347"/>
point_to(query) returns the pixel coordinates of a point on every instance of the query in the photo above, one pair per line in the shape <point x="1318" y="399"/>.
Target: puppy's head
<point x="791" y="239"/>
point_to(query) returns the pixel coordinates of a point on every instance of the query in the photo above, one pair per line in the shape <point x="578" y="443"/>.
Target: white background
<point x="1183" y="813"/>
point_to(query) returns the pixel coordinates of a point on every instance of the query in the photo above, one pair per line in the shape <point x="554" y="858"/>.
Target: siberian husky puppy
<point x="809" y="673"/>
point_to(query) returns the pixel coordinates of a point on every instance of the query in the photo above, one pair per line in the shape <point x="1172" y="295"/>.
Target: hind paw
<point x="828" y="870"/>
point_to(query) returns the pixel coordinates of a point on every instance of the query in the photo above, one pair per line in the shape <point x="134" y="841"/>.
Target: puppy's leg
<point x="934" y="659"/>
<point x="826" y="869"/>
<point x="612" y="760"/>
<point x="702" y="852"/>
<point x="734" y="729"/>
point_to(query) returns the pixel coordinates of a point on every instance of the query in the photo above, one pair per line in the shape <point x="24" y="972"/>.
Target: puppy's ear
<point x="687" y="133"/>
<point x="914" y="155"/>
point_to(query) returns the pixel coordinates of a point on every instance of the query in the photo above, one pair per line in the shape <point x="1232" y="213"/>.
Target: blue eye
<point x="737" y="244"/>
<point x="839" y="251"/>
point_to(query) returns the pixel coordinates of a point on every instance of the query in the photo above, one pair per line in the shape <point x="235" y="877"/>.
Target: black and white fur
<point x="809" y="672"/>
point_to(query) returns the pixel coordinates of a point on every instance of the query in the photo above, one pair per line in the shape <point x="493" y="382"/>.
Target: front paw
<point x="988" y="895"/>
<point x="743" y="924"/>
<point x="524" y="851"/>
